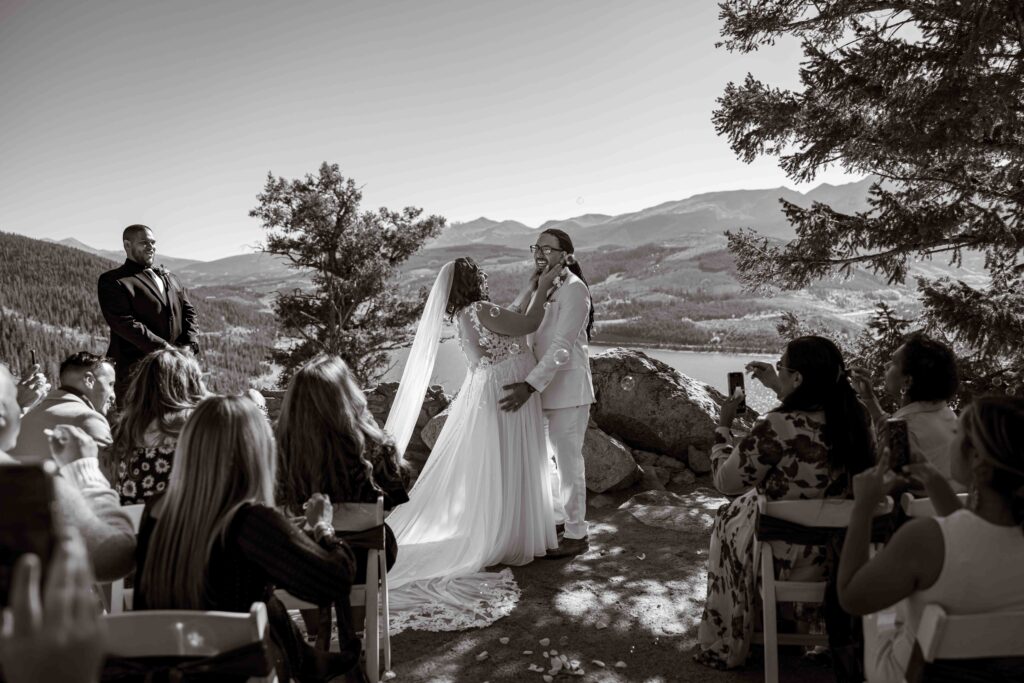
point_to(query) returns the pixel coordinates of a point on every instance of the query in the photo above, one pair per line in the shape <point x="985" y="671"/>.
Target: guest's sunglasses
<point x="544" y="250"/>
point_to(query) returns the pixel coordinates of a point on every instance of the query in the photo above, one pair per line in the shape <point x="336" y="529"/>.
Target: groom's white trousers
<point x="566" y="429"/>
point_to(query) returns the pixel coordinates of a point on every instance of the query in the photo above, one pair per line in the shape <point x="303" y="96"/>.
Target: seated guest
<point x="806" y="448"/>
<point x="966" y="560"/>
<point x="922" y="378"/>
<point x="84" y="498"/>
<point x="214" y="540"/>
<point x="85" y="394"/>
<point x="329" y="442"/>
<point x="165" y="387"/>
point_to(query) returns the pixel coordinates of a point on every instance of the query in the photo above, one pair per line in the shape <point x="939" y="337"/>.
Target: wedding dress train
<point x="483" y="498"/>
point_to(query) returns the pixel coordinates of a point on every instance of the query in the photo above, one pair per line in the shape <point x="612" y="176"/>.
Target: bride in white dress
<point x="484" y="496"/>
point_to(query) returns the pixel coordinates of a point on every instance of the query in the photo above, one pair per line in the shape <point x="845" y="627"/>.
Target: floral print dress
<point x="785" y="458"/>
<point x="145" y="471"/>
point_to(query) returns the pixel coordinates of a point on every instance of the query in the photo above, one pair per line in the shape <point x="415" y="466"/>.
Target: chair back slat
<point x="923" y="507"/>
<point x="973" y="636"/>
<point x="186" y="633"/>
<point x="825" y="512"/>
<point x="358" y="516"/>
<point x="135" y="514"/>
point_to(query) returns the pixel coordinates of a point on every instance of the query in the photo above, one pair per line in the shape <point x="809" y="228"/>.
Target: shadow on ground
<point x="635" y="597"/>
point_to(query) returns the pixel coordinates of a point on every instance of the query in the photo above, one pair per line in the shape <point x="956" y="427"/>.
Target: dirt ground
<point x="646" y="583"/>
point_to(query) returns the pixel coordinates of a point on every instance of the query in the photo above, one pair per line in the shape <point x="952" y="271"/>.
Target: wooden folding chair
<point x="823" y="513"/>
<point x="941" y="636"/>
<point x="115" y="598"/>
<point x="922" y="507"/>
<point x="188" y="634"/>
<point x="373" y="595"/>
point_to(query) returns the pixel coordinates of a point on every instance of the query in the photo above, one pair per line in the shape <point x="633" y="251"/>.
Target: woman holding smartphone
<point x="808" y="447"/>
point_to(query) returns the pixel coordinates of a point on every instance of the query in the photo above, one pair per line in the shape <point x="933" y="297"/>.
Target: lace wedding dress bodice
<point x="481" y="346"/>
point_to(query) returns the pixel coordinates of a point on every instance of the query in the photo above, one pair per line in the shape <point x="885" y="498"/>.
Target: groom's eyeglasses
<point x="544" y="250"/>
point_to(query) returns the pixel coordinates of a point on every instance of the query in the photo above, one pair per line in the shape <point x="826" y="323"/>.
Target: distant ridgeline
<point x="48" y="303"/>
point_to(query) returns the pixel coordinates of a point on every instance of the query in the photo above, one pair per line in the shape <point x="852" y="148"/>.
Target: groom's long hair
<point x="565" y="243"/>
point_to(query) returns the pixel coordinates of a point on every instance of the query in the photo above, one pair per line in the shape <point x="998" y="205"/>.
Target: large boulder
<point x="432" y="429"/>
<point x="609" y="465"/>
<point x="652" y="407"/>
<point x="435" y="401"/>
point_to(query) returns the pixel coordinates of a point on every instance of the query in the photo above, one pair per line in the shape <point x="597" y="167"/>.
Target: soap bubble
<point x="514" y="348"/>
<point x="495" y="311"/>
<point x="628" y="383"/>
<point x="561" y="357"/>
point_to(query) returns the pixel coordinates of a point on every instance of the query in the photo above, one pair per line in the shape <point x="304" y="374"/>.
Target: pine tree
<point x="928" y="97"/>
<point x="354" y="309"/>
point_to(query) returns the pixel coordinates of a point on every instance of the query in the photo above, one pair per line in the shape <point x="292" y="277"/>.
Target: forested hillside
<point x="48" y="303"/>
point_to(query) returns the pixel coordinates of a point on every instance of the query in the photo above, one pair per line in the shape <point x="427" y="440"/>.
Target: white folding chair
<point x="373" y="595"/>
<point x="941" y="636"/>
<point x="824" y="513"/>
<point x="121" y="599"/>
<point x="186" y="633"/>
<point x="922" y="507"/>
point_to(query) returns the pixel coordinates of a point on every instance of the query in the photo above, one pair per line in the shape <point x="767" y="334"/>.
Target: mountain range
<point x="709" y="213"/>
<point x="659" y="275"/>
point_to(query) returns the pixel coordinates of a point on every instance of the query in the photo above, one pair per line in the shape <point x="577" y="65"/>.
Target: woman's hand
<point x="534" y="277"/>
<point x="32" y="388"/>
<point x="727" y="413"/>
<point x="59" y="635"/>
<point x="861" y="381"/>
<point x="547" y="279"/>
<point x="764" y="373"/>
<point x="319" y="510"/>
<point x="874" y="483"/>
<point x="69" y="443"/>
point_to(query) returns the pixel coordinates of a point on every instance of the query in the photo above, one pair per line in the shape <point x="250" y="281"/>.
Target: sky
<point x="172" y="113"/>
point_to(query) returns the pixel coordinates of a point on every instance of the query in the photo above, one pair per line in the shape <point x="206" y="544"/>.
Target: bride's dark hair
<point x="469" y="285"/>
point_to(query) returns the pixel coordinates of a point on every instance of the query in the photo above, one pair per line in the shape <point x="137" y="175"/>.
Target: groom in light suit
<point x="563" y="378"/>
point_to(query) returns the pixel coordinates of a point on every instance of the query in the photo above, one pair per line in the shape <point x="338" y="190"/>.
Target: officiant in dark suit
<point x="147" y="308"/>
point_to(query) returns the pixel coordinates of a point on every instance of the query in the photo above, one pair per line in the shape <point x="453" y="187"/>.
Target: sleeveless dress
<point x="483" y="498"/>
<point x="981" y="570"/>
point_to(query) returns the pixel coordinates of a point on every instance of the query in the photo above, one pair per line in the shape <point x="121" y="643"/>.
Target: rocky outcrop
<point x="609" y="464"/>
<point x="431" y="430"/>
<point x="434" y="402"/>
<point x="652" y="407"/>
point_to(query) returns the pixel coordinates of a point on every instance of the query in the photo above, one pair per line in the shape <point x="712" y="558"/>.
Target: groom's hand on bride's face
<point x="517" y="395"/>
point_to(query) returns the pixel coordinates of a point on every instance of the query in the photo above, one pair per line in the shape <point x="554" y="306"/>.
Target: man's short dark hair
<point x="132" y="230"/>
<point x="82" y="361"/>
<point x="931" y="366"/>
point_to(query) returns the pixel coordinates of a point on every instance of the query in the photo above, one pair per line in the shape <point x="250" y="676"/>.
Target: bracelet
<point x="322" y="530"/>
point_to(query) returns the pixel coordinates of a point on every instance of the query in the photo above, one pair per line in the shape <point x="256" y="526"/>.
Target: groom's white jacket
<point x="568" y="384"/>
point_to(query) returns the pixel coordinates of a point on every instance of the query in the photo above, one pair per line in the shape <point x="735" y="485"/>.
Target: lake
<point x="703" y="366"/>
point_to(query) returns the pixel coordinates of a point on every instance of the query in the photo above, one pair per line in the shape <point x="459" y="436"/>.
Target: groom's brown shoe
<point x="568" y="547"/>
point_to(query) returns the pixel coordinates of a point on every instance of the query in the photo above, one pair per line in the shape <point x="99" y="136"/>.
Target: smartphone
<point x="735" y="380"/>
<point x="899" y="444"/>
<point x="28" y="520"/>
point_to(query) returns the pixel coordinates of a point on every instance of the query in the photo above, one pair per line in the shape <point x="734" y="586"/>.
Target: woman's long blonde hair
<point x="324" y="434"/>
<point x="165" y="386"/>
<point x="225" y="459"/>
